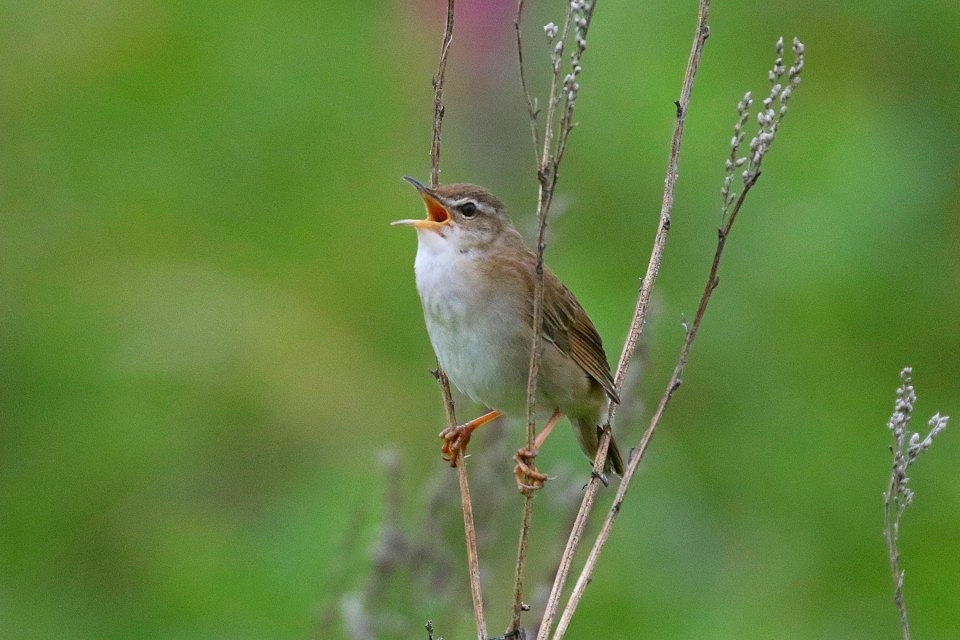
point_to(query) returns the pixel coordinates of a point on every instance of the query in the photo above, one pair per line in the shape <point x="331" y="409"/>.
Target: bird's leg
<point x="455" y="439"/>
<point x="528" y="478"/>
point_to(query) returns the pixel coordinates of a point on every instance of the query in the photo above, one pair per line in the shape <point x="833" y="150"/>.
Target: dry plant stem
<point x="893" y="555"/>
<point x="518" y="605"/>
<point x="470" y="533"/>
<point x="768" y="121"/>
<point x="669" y="188"/>
<point x="531" y="104"/>
<point x="907" y="446"/>
<point x="550" y="156"/>
<point x="473" y="559"/>
<point x="466" y="504"/>
<point x="586" y="574"/>
<point x="548" y="164"/>
<point x="438" y="97"/>
<point x="636" y="327"/>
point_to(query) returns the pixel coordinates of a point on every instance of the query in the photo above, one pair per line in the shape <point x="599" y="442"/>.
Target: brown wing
<point x="568" y="326"/>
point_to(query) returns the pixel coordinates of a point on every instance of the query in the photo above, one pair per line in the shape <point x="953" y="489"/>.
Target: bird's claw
<point x="529" y="479"/>
<point x="455" y="441"/>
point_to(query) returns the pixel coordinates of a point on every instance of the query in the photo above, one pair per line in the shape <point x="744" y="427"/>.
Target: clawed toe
<point x="455" y="440"/>
<point x="529" y="479"/>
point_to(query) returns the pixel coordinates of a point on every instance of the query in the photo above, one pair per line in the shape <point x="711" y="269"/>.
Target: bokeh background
<point x="215" y="401"/>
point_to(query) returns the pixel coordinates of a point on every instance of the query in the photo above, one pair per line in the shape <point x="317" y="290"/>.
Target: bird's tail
<point x="588" y="434"/>
<point x="614" y="459"/>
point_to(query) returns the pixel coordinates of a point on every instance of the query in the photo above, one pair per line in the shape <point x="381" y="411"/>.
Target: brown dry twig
<point x="639" y="316"/>
<point x="564" y="90"/>
<point x="768" y="119"/>
<point x="470" y="533"/>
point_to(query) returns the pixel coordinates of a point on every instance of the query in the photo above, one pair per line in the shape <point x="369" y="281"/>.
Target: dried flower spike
<point x="905" y="449"/>
<point x="783" y="83"/>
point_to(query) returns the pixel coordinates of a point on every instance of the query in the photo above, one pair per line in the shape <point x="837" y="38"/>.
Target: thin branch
<point x="563" y="90"/>
<point x="470" y="532"/>
<point x="586" y="574"/>
<point x="466" y="504"/>
<point x="669" y="188"/>
<point x="438" y="108"/>
<point x="532" y="109"/>
<point x="636" y="326"/>
<point x="473" y="558"/>
<point x="547" y="177"/>
<point x="890" y="534"/>
<point x="518" y="604"/>
<point x="768" y="122"/>
<point x="905" y="449"/>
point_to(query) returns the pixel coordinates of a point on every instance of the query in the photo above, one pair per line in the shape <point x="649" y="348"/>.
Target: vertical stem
<point x="890" y="529"/>
<point x="893" y="554"/>
<point x="438" y="108"/>
<point x="669" y="188"/>
<point x="473" y="558"/>
<point x="547" y="166"/>
<point x="518" y="605"/>
<point x="466" y="504"/>
<point x="532" y="110"/>
<point x="636" y="326"/>
<point x="470" y="533"/>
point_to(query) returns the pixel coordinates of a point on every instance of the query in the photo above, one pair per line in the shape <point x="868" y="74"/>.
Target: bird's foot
<point x="455" y="441"/>
<point x="455" y="438"/>
<point x="529" y="479"/>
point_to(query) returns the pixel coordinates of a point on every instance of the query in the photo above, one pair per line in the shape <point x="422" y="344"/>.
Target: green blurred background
<point x="209" y="334"/>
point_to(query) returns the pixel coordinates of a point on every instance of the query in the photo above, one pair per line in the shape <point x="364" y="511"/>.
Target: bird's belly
<point x="481" y="352"/>
<point x="481" y="343"/>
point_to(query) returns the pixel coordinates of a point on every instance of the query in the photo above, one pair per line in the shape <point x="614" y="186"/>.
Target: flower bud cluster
<point x="906" y="448"/>
<point x="551" y="30"/>
<point x="579" y="18"/>
<point x="783" y="82"/>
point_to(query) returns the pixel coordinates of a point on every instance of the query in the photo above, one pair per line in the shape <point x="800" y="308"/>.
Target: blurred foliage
<point x="209" y="331"/>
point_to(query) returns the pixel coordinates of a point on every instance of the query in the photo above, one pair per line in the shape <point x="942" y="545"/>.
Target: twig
<point x="768" y="121"/>
<point x="669" y="188"/>
<point x="563" y="90"/>
<point x="547" y="177"/>
<point x="466" y="505"/>
<point x="587" y="572"/>
<point x="470" y="533"/>
<point x="636" y="325"/>
<point x="473" y="559"/>
<point x="898" y="495"/>
<point x="532" y="109"/>
<point x="438" y="108"/>
<point x="518" y="604"/>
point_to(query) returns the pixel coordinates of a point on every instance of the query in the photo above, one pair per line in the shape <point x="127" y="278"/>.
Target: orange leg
<point x="528" y="477"/>
<point x="455" y="439"/>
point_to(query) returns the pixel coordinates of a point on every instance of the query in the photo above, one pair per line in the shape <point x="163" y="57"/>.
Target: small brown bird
<point x="476" y="279"/>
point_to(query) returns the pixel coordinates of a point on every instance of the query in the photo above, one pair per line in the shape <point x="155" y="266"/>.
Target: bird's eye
<point x="468" y="209"/>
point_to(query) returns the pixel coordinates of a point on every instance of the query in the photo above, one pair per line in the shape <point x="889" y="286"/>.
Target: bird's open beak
<point x="437" y="215"/>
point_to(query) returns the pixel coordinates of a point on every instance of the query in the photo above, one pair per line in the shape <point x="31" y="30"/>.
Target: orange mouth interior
<point x="435" y="211"/>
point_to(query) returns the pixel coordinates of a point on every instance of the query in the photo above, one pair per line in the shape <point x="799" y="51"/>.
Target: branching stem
<point x="563" y="91"/>
<point x="636" y="326"/>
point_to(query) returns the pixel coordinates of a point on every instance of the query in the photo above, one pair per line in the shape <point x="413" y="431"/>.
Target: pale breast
<point x="480" y="339"/>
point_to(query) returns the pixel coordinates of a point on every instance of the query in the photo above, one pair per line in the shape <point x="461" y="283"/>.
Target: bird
<point x="476" y="280"/>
